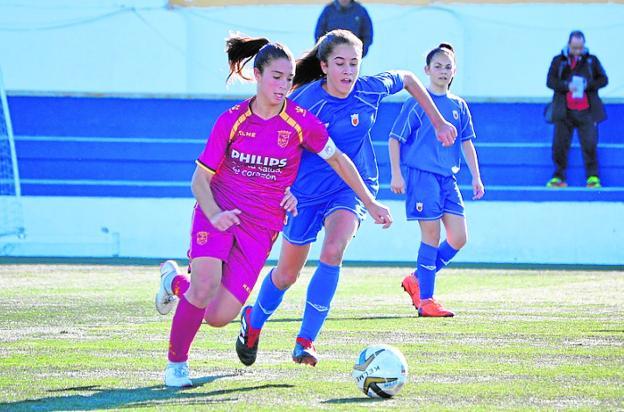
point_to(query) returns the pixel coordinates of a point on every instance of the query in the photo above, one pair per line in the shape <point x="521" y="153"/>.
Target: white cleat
<point x="177" y="375"/>
<point x="165" y="301"/>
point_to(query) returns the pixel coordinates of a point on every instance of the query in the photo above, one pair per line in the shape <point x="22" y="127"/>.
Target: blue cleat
<point x="305" y="352"/>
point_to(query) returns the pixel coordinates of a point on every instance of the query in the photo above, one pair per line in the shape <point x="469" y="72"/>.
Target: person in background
<point x="575" y="77"/>
<point x="432" y="192"/>
<point x="348" y="15"/>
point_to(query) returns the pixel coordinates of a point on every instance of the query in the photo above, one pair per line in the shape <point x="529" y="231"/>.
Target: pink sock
<point x="186" y="323"/>
<point x="180" y="284"/>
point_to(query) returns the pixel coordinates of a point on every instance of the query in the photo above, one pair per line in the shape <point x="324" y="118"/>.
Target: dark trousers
<point x="562" y="139"/>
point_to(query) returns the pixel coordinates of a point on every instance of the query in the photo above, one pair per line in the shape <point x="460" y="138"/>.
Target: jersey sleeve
<point x="467" y="129"/>
<point x="386" y="83"/>
<point x="315" y="134"/>
<point x="407" y="122"/>
<point x="214" y="152"/>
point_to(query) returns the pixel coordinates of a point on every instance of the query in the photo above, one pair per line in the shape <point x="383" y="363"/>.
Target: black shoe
<point x="247" y="341"/>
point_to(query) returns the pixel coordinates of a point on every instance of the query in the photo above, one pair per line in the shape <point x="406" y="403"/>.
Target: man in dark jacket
<point x="575" y="76"/>
<point x="349" y="15"/>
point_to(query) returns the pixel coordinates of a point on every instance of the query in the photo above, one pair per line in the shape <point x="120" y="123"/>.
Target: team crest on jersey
<point x="202" y="238"/>
<point x="419" y="207"/>
<point x="283" y="136"/>
<point x="455" y="115"/>
<point x="355" y="119"/>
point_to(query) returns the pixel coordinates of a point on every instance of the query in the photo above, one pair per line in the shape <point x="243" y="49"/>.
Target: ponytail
<point x="241" y="49"/>
<point x="308" y="69"/>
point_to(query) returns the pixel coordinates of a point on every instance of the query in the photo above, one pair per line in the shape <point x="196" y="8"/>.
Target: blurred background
<point x="109" y="103"/>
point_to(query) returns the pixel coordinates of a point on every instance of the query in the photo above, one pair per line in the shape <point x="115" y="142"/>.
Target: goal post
<point x="11" y="216"/>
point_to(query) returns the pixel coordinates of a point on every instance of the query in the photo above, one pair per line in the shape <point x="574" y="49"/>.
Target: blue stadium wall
<point x="109" y="176"/>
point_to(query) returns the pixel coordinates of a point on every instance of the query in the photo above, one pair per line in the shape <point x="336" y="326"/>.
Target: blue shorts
<point x="304" y="228"/>
<point x="429" y="196"/>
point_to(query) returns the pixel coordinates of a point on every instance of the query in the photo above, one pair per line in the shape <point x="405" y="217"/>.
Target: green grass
<point x="88" y="337"/>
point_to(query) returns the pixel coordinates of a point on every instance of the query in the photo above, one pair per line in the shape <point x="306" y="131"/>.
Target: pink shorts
<point x="243" y="249"/>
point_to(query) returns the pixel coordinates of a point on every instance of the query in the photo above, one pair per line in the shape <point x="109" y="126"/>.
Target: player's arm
<point x="478" y="190"/>
<point x="200" y="185"/>
<point x="397" y="183"/>
<point x="445" y="131"/>
<point x="347" y="171"/>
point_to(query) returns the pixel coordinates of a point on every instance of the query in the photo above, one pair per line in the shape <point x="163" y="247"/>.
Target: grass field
<point x="88" y="337"/>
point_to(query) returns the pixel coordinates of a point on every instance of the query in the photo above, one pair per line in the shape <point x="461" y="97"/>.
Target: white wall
<point x="499" y="232"/>
<point x="108" y="46"/>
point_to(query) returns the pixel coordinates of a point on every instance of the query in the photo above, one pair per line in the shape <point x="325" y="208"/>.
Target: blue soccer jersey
<point x="349" y="122"/>
<point x="420" y="149"/>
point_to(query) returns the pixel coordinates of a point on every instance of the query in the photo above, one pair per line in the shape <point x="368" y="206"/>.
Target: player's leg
<point x="427" y="255"/>
<point x="173" y="284"/>
<point x="298" y="234"/>
<point x="423" y="204"/>
<point x="205" y="282"/>
<point x="248" y="256"/>
<point x="208" y="250"/>
<point x="454" y="222"/>
<point x="340" y="227"/>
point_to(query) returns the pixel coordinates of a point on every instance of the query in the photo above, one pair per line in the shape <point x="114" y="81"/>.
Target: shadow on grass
<point x="360" y="399"/>
<point x="150" y="396"/>
<point x="342" y="319"/>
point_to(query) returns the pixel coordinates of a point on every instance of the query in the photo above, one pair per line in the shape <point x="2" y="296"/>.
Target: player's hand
<point x="225" y="219"/>
<point x="478" y="190"/>
<point x="380" y="213"/>
<point x="446" y="133"/>
<point x="289" y="202"/>
<point x="397" y="184"/>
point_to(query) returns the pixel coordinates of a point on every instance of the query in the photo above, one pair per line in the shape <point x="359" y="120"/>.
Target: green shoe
<point x="593" y="182"/>
<point x="557" y="182"/>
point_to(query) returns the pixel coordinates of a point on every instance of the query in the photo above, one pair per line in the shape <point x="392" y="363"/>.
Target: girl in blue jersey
<point x="432" y="191"/>
<point x="327" y="83"/>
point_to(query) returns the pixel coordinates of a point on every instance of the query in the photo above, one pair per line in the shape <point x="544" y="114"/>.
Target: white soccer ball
<point x="380" y="371"/>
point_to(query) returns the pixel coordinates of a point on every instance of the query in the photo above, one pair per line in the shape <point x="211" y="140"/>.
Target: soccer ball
<point x="380" y="371"/>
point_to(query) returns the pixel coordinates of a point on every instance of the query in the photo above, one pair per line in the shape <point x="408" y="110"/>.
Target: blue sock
<point x="269" y="298"/>
<point x="321" y="291"/>
<point x="426" y="269"/>
<point x="446" y="252"/>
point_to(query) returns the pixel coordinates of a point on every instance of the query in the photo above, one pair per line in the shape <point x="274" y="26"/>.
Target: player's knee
<point x="203" y="288"/>
<point x="457" y="241"/>
<point x="217" y="321"/>
<point x="431" y="237"/>
<point x="284" y="280"/>
<point x="333" y="252"/>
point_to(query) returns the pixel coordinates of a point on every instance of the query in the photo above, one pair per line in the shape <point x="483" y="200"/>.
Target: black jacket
<point x="560" y="74"/>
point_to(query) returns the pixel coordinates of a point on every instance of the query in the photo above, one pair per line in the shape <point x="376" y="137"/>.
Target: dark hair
<point x="309" y="66"/>
<point x="578" y="34"/>
<point x="442" y="48"/>
<point x="241" y="49"/>
<point x="445" y="48"/>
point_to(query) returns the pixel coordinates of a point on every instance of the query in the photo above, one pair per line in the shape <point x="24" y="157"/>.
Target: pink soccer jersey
<point x="254" y="160"/>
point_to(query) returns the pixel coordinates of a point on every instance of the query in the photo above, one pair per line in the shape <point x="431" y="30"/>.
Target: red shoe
<point x="410" y="286"/>
<point x="305" y="352"/>
<point x="430" y="308"/>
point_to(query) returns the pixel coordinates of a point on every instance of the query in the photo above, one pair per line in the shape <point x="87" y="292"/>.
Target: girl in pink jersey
<point x="241" y="184"/>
